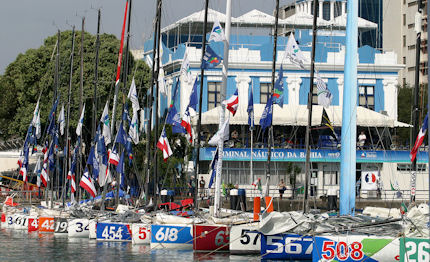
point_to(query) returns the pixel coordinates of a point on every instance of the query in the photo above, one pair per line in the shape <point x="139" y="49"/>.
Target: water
<point x="18" y="245"/>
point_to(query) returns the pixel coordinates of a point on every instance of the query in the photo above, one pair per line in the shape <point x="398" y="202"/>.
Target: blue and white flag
<point x="278" y="92"/>
<point x="106" y="124"/>
<point x="134" y="128"/>
<point x="92" y="161"/>
<point x="194" y="98"/>
<point x="36" y="120"/>
<point x="61" y="120"/>
<point x="174" y="119"/>
<point x="120" y="169"/>
<point x="324" y="95"/>
<point x="132" y="95"/>
<point x="210" y="59"/>
<point x="217" y="33"/>
<point x="251" y="110"/>
<point x="121" y="137"/>
<point x="213" y="166"/>
<point x="293" y="52"/>
<point x="266" y="117"/>
<point x="81" y="122"/>
<point x="185" y="69"/>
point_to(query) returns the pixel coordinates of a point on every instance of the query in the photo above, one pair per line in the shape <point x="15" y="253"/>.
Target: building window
<point x="312" y="8"/>
<point x="264" y="92"/>
<point x="404" y="60"/>
<point x="330" y="178"/>
<point x="337" y="9"/>
<point x="408" y="167"/>
<point x="213" y="94"/>
<point x="366" y="96"/>
<point x="404" y="19"/>
<point x="404" y="41"/>
<point x="326" y="11"/>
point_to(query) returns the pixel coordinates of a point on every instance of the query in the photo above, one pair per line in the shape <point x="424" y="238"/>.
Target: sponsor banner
<point x="414" y="249"/>
<point x="355" y="248"/>
<point x="113" y="232"/>
<point x="211" y="237"/>
<point x="318" y="155"/>
<point x="172" y="236"/>
<point x="286" y="247"/>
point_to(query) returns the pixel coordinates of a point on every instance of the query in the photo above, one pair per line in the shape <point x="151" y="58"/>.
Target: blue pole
<point x="349" y="117"/>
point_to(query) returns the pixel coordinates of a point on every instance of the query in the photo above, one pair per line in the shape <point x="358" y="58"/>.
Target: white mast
<point x="222" y="114"/>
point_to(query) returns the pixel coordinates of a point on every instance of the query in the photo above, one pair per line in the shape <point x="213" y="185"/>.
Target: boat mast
<point x="96" y="67"/>
<point x="124" y="77"/>
<point x="157" y="92"/>
<point x="66" y="138"/>
<point x="270" y="136"/>
<point x="308" y="127"/>
<point x="81" y="95"/>
<point x="151" y="101"/>
<point x="416" y="109"/>
<point x="349" y="114"/>
<point x="428" y="98"/>
<point x="223" y="92"/>
<point x="57" y="83"/>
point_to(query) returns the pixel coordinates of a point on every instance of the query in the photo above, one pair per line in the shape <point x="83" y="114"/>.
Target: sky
<point x="26" y="23"/>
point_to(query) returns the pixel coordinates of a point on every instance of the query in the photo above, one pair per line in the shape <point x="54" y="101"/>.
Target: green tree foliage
<point x="32" y="74"/>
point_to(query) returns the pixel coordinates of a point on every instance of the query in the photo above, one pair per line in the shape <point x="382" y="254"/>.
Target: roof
<point x="297" y="115"/>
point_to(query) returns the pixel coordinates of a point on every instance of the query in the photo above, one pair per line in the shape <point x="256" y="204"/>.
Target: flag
<point x="106" y="124"/>
<point x="186" y="123"/>
<point x="213" y="166"/>
<point x="134" y="128"/>
<point x="120" y="169"/>
<point x="210" y="59"/>
<point x="36" y="120"/>
<point x="324" y="95"/>
<point x="293" y="52"/>
<point x="87" y="183"/>
<point x="51" y="118"/>
<point x="163" y="145"/>
<point x="162" y="82"/>
<point x="251" y="110"/>
<point x="174" y="119"/>
<point x="232" y="103"/>
<point x="278" y="92"/>
<point x="44" y="174"/>
<point x="61" y="120"/>
<point x="420" y="139"/>
<point x="132" y="95"/>
<point x="325" y="121"/>
<point x="121" y="137"/>
<point x="222" y="133"/>
<point x="129" y="150"/>
<point x="92" y="161"/>
<point x="193" y="97"/>
<point x="185" y="69"/>
<point x="257" y="184"/>
<point x="81" y="122"/>
<point x="113" y="157"/>
<point x="266" y="117"/>
<point x="217" y="34"/>
<point x="37" y="171"/>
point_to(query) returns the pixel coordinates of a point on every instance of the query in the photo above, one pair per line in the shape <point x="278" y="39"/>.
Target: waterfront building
<point x="250" y="62"/>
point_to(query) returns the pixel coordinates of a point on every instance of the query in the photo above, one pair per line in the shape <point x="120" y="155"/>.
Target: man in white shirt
<point x="361" y="139"/>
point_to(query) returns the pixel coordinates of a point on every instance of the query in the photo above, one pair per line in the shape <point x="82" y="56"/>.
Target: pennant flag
<point x="232" y="103"/>
<point x="266" y="117"/>
<point x="194" y="98"/>
<point x="293" y="52"/>
<point x="324" y="95"/>
<point x="113" y="157"/>
<point x="87" y="183"/>
<point x="325" y="121"/>
<point x="132" y="95"/>
<point x="222" y="133"/>
<point x="213" y="166"/>
<point x="217" y="34"/>
<point x="185" y="69"/>
<point x="81" y="122"/>
<point x="251" y="110"/>
<point x="420" y="139"/>
<point x="134" y="128"/>
<point x="61" y="120"/>
<point x="36" y="120"/>
<point x="210" y="59"/>
<point x="163" y="145"/>
<point x="278" y="92"/>
<point x="106" y="124"/>
<point x="186" y="123"/>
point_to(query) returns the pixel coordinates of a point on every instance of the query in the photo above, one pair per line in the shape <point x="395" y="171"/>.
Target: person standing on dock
<point x="202" y="184"/>
<point x="282" y="188"/>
